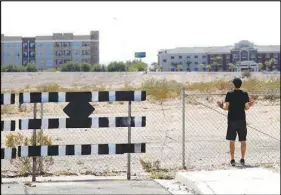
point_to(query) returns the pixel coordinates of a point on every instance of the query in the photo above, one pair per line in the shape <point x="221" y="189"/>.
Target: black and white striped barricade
<point x="79" y="111"/>
<point x="7" y="125"/>
<point x="80" y="149"/>
<point x="7" y="99"/>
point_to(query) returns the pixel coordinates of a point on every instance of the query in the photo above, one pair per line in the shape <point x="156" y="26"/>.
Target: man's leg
<point x="243" y="149"/>
<point x="232" y="149"/>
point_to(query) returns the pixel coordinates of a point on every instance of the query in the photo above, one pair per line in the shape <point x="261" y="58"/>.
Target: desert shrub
<point x="30" y="68"/>
<point x="161" y="90"/>
<point x="24" y="164"/>
<point x="12" y="68"/>
<point x="70" y="67"/>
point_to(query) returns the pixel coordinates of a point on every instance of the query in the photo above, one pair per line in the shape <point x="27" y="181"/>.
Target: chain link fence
<point x="206" y="126"/>
<point x="197" y="142"/>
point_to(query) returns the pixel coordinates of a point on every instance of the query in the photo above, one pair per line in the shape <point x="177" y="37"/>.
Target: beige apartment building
<point x="50" y="51"/>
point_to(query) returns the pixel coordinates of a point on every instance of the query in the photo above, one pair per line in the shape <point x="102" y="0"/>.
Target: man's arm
<point x="226" y="105"/>
<point x="249" y="102"/>
<point x="223" y="106"/>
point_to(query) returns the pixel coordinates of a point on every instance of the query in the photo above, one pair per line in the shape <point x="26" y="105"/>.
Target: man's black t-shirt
<point x="237" y="100"/>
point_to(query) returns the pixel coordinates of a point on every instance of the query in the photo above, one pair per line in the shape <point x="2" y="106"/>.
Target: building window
<point x="31" y="45"/>
<point x="187" y="57"/>
<point x="67" y="53"/>
<point x="25" y="45"/>
<point x="196" y="69"/>
<point x="180" y="57"/>
<point x="86" y="60"/>
<point x="59" y="61"/>
<point x="48" y="45"/>
<point x="164" y="60"/>
<point x="31" y="53"/>
<point x="203" y="57"/>
<point x="195" y="62"/>
<point x="275" y="55"/>
<point x="85" y="53"/>
<point x="32" y="62"/>
<point x="58" y="53"/>
<point x="85" y="44"/>
<point x="172" y="57"/>
<point x="58" y="44"/>
<point x="195" y="56"/>
<point x="39" y="45"/>
<point x="76" y="44"/>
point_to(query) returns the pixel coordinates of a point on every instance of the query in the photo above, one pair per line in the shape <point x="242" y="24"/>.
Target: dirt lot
<point x="205" y="144"/>
<point x="114" y="80"/>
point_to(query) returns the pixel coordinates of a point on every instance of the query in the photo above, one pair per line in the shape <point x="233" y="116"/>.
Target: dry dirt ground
<point x="114" y="80"/>
<point x="205" y="144"/>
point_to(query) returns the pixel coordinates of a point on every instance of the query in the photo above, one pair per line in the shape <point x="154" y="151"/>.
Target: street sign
<point x="140" y="54"/>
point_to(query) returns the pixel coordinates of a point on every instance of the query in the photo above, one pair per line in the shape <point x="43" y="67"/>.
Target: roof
<point x="218" y="49"/>
<point x="243" y="63"/>
<point x="268" y="48"/>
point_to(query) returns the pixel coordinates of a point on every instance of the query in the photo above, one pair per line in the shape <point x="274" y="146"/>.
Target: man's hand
<point x="252" y="101"/>
<point x="220" y="104"/>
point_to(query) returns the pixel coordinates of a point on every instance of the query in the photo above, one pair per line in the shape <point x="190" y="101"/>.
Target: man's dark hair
<point x="237" y="82"/>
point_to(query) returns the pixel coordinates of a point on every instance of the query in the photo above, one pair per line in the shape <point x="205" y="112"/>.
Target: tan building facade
<point x="50" y="51"/>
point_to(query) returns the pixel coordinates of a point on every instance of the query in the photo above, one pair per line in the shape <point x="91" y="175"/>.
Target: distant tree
<point x="249" y="68"/>
<point x="161" y="68"/>
<point x="238" y="64"/>
<point x="70" y="67"/>
<point x="217" y="62"/>
<point x="188" y="62"/>
<point x="154" y="66"/>
<point x="96" y="68"/>
<point x="104" y="68"/>
<point x="116" y="67"/>
<point x="209" y="67"/>
<point x="231" y="67"/>
<point x="202" y="66"/>
<point x="260" y="65"/>
<point x="267" y="64"/>
<point x="272" y="61"/>
<point x="85" y="67"/>
<point x="179" y="67"/>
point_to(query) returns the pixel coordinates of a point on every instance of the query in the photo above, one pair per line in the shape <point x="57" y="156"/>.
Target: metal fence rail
<point x="187" y="132"/>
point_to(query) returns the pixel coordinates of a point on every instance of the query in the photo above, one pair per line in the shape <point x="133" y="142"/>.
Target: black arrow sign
<point x="78" y="112"/>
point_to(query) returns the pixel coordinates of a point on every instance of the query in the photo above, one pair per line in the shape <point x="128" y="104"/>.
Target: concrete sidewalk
<point x="233" y="181"/>
<point x="98" y="186"/>
<point x="87" y="184"/>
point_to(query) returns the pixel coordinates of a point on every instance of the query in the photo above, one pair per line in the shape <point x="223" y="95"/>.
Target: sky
<point x="128" y="27"/>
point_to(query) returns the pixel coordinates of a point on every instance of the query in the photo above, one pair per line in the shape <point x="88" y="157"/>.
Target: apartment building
<point x="50" y="51"/>
<point x="244" y="51"/>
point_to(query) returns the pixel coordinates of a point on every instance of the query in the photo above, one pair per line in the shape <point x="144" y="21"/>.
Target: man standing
<point x="236" y="102"/>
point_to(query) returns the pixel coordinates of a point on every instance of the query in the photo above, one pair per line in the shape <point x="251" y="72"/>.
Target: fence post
<point x="183" y="129"/>
<point x="34" y="144"/>
<point x="129" y="141"/>
<point x="41" y="140"/>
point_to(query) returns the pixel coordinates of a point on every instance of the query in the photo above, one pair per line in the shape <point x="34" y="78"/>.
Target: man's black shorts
<point x="236" y="127"/>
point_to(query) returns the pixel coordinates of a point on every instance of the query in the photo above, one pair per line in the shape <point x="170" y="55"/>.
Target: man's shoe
<point x="242" y="162"/>
<point x="232" y="162"/>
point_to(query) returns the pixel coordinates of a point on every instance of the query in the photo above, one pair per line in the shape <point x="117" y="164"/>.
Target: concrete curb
<point x="82" y="178"/>
<point x="192" y="183"/>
